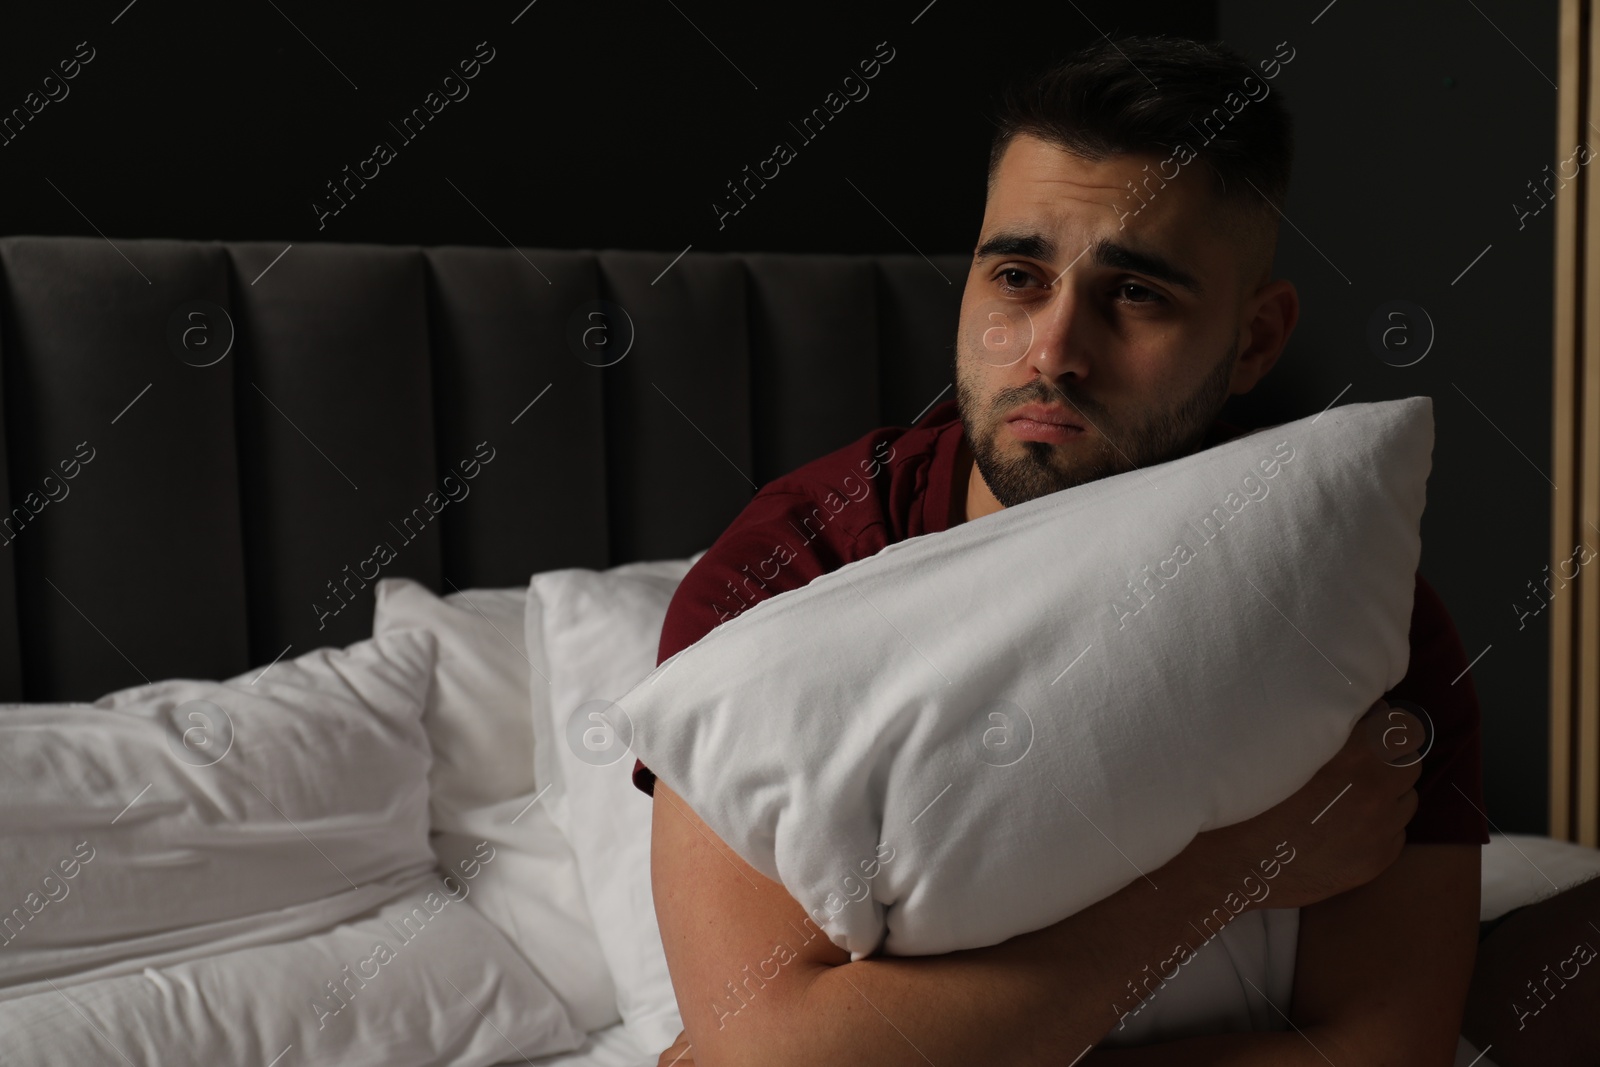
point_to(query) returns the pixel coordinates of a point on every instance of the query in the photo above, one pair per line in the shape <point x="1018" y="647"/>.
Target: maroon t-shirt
<point x="896" y="483"/>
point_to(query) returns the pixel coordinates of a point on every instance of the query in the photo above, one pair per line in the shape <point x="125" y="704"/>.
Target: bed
<point x="325" y="474"/>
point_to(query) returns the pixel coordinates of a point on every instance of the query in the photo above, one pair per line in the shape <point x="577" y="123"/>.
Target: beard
<point x="1019" y="471"/>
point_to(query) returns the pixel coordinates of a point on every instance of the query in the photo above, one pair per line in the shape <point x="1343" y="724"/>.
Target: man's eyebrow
<point x="1107" y="253"/>
<point x="1029" y="244"/>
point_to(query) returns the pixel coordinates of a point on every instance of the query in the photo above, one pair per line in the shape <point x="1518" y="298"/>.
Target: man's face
<point x="1124" y="325"/>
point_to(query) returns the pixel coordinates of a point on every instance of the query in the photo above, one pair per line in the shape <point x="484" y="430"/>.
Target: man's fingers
<point x="1395" y="735"/>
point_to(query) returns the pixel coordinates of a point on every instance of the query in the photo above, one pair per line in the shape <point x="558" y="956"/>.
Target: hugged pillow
<point x="593" y="634"/>
<point x="181" y="818"/>
<point x="479" y="718"/>
<point x="978" y="732"/>
<point x="418" y="981"/>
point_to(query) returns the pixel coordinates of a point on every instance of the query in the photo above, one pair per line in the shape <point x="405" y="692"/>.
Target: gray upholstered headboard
<point x="212" y="510"/>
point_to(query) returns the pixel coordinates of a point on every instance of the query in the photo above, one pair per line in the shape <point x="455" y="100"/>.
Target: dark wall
<point x="618" y="126"/>
<point x="1419" y="126"/>
<point x="594" y="125"/>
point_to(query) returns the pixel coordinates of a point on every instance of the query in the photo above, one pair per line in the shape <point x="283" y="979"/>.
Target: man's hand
<point x="1346" y="825"/>
<point x="1383" y="960"/>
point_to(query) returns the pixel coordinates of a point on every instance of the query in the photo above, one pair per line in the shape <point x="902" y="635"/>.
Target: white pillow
<point x="996" y="705"/>
<point x="479" y="719"/>
<point x="445" y="989"/>
<point x="593" y="634"/>
<point x="477" y="712"/>
<point x="182" y="818"/>
<point x="1521" y="869"/>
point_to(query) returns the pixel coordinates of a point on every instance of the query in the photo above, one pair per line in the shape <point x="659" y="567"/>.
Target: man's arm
<point x="1381" y="976"/>
<point x="752" y="987"/>
<point x="1385" y="967"/>
<point x="1025" y="1001"/>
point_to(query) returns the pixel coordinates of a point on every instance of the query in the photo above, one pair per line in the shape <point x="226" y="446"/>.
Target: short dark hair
<point x="1149" y="95"/>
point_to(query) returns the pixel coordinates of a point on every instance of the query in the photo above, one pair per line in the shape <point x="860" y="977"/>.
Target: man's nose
<point x="1064" y="334"/>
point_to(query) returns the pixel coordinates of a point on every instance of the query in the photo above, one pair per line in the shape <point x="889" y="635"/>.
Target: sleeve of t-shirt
<point x="1450" y="806"/>
<point x="758" y="556"/>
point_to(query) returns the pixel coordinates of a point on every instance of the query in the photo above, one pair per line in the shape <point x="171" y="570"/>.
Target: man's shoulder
<point x="806" y="523"/>
<point x="887" y="450"/>
<point x="841" y="493"/>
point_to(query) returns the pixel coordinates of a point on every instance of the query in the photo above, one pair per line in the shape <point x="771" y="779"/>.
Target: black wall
<point x="602" y="125"/>
<point x="595" y="125"/>
<point x="1419" y="126"/>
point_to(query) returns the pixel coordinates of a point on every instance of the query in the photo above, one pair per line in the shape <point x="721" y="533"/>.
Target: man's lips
<point x="1040" y="413"/>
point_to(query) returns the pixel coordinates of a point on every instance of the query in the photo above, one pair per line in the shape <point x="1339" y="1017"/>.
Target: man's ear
<point x="1268" y="320"/>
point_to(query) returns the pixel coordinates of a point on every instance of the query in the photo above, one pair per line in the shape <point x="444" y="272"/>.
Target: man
<point x="1120" y="291"/>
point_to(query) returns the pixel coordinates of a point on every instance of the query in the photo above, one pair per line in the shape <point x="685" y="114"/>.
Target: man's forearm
<point x="1042" y="998"/>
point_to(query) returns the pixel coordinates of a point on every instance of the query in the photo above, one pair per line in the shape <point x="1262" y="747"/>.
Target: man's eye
<point x="1014" y="274"/>
<point x="1134" y="293"/>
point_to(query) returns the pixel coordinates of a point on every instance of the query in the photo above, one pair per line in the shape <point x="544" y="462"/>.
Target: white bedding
<point x="232" y="999"/>
<point x="613" y="1046"/>
<point x="210" y="816"/>
<point x="480" y="719"/>
<point x="445" y="989"/>
<point x="592" y="635"/>
<point x="223" y="872"/>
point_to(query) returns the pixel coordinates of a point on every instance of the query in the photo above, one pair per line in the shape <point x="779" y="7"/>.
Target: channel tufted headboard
<point x="172" y="510"/>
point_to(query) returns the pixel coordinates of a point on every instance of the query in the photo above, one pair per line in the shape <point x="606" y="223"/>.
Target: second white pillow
<point x="594" y="634"/>
<point x="480" y="718"/>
